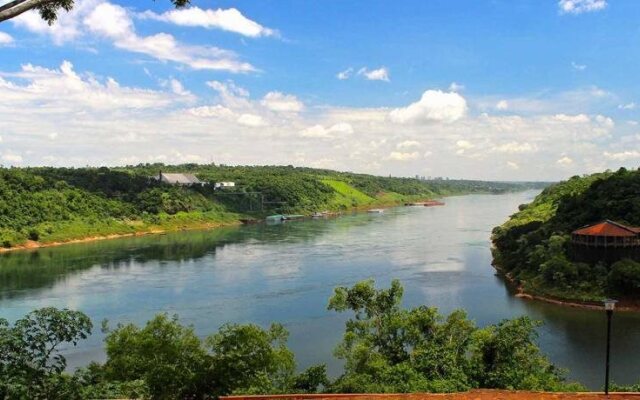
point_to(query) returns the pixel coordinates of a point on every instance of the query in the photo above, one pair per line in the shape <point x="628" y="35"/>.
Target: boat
<point x="376" y="211"/>
<point x="276" y="217"/>
<point x="318" y="215"/>
<point x="292" y="216"/>
<point x="432" y="203"/>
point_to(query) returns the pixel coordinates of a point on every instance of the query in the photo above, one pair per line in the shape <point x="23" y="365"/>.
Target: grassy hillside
<point x="60" y="204"/>
<point x="532" y="246"/>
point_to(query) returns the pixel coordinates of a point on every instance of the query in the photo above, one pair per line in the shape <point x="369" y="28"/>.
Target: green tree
<point x="30" y="364"/>
<point x="506" y="356"/>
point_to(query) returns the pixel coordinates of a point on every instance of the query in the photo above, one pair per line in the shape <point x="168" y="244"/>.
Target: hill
<point x="59" y="204"/>
<point x="532" y="246"/>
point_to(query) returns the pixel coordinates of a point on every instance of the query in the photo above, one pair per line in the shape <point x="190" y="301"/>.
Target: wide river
<point x="287" y="272"/>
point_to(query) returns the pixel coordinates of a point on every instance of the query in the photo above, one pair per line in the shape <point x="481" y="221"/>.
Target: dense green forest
<point x="60" y="204"/>
<point x="533" y="245"/>
<point x="386" y="349"/>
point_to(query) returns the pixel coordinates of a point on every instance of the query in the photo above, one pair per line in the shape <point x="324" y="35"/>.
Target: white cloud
<point x="67" y="28"/>
<point x="251" y="120"/>
<point x="513" y="165"/>
<point x="5" y="39"/>
<point x="515" y="148"/>
<point x="502" y="105"/>
<point x="400" y="156"/>
<point x="434" y="105"/>
<point x="114" y="22"/>
<point x="318" y="131"/>
<point x="628" y="106"/>
<point x="623" y="155"/>
<point x="380" y="74"/>
<point x="456" y="87"/>
<point x="407" y="144"/>
<point x="581" y="6"/>
<point x="277" y="101"/>
<point x="578" y="67"/>
<point x="65" y="89"/>
<point x="12" y="158"/>
<point x="564" y="161"/>
<point x="163" y="125"/>
<point x="230" y="20"/>
<point x="346" y="74"/>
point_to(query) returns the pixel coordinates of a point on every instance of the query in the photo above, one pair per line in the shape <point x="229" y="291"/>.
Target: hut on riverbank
<point x="606" y="242"/>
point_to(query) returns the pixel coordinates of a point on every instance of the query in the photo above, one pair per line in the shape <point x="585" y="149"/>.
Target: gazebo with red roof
<point x="606" y="241"/>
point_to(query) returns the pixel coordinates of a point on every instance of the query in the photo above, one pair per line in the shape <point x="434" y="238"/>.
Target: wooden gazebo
<point x="606" y="241"/>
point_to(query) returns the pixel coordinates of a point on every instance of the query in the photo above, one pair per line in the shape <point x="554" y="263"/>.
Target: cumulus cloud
<point x="251" y="120"/>
<point x="115" y="23"/>
<point x="581" y="6"/>
<point x="379" y="74"/>
<point x="230" y="20"/>
<point x="407" y="144"/>
<point x="319" y="131"/>
<point x="400" y="156"/>
<point x="515" y="148"/>
<point x="502" y="105"/>
<point x="623" y="155"/>
<point x="68" y="27"/>
<point x="565" y="161"/>
<point x="5" y="39"/>
<point x="167" y="125"/>
<point x="277" y="101"/>
<point x="434" y="105"/>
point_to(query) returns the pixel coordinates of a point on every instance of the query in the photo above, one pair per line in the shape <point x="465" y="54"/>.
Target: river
<point x="286" y="273"/>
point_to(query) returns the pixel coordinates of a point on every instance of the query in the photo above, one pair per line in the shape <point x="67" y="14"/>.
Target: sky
<point x="477" y="89"/>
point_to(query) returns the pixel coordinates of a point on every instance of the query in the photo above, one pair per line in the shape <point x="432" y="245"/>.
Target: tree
<point x="49" y="9"/>
<point x="30" y="365"/>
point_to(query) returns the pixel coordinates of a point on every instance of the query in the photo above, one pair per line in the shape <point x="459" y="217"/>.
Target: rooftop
<point x="608" y="228"/>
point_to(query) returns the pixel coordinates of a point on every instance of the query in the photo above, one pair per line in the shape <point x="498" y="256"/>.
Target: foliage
<point x="533" y="245"/>
<point x="30" y="364"/>
<point x="624" y="277"/>
<point x="57" y="204"/>
<point x="390" y="349"/>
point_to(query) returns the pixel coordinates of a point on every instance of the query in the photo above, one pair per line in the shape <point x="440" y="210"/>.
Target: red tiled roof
<point x="607" y="228"/>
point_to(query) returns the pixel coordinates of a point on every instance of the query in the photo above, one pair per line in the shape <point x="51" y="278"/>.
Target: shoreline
<point x="521" y="293"/>
<point x="34" y="245"/>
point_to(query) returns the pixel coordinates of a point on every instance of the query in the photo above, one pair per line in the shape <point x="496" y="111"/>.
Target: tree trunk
<point x="17" y="7"/>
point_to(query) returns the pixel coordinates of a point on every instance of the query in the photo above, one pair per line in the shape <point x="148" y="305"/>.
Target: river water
<point x="286" y="273"/>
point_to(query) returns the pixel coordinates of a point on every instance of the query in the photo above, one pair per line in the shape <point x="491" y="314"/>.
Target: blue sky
<point x="476" y="89"/>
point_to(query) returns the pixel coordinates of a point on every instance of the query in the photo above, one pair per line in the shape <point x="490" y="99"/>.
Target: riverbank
<point x="522" y="293"/>
<point x="179" y="222"/>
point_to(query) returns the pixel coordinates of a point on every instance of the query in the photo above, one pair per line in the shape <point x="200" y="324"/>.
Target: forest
<point x="532" y="247"/>
<point x="386" y="348"/>
<point x="48" y="204"/>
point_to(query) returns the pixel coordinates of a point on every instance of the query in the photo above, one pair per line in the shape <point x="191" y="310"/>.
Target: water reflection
<point x="286" y="273"/>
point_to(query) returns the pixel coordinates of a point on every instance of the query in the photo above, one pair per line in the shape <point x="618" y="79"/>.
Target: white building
<point x="223" y="185"/>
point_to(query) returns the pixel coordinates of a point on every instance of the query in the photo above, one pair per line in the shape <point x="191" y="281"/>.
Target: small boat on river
<point x="376" y="211"/>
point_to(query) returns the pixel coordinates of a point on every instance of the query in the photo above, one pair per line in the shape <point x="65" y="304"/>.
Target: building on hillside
<point x="224" y="185"/>
<point x="606" y="242"/>
<point x="179" y="179"/>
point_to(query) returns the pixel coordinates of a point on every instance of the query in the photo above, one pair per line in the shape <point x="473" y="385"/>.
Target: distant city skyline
<point x="492" y="89"/>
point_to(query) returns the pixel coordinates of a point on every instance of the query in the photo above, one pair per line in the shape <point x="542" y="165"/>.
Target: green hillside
<point x="532" y="246"/>
<point x="61" y="204"/>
